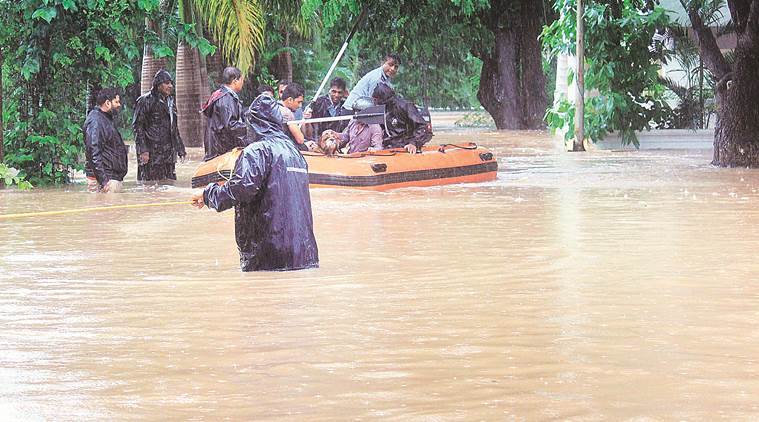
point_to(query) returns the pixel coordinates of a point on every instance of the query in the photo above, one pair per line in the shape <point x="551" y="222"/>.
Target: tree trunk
<point x="150" y="64"/>
<point x="512" y="83"/>
<point x="535" y="100"/>
<point x="499" y="82"/>
<point x="736" y="137"/>
<point x="188" y="95"/>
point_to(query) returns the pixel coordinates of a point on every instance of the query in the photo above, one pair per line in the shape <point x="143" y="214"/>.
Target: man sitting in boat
<point x="406" y="127"/>
<point x="358" y="137"/>
<point x="330" y="105"/>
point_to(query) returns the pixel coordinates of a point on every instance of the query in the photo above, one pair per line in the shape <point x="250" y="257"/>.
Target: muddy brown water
<point x="595" y="286"/>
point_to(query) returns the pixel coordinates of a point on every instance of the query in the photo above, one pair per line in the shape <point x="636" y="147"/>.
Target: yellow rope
<point x="77" y="210"/>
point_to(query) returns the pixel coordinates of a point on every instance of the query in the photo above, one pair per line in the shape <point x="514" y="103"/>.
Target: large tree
<point x="736" y="138"/>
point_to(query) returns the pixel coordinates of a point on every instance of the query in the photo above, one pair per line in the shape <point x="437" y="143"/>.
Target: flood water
<point x="588" y="286"/>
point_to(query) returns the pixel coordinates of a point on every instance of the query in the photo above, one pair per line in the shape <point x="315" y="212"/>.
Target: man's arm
<point x="178" y="143"/>
<point x="139" y="123"/>
<point x="251" y="171"/>
<point x="95" y="135"/>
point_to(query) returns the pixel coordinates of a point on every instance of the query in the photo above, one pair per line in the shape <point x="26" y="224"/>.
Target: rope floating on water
<point x="78" y="210"/>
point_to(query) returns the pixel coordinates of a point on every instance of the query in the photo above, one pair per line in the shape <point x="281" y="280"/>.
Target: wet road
<point x="594" y="286"/>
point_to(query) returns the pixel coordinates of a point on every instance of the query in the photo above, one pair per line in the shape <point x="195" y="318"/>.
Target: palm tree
<point x="238" y="27"/>
<point x="150" y="64"/>
<point x="286" y="19"/>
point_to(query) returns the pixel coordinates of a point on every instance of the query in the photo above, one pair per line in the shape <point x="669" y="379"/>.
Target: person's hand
<point x="311" y="145"/>
<point x="144" y="157"/>
<point x="197" y="200"/>
<point x="411" y="148"/>
<point x="106" y="187"/>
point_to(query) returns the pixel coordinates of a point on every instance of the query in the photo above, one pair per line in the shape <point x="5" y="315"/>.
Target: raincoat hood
<point x="383" y="93"/>
<point x="160" y="77"/>
<point x="264" y="118"/>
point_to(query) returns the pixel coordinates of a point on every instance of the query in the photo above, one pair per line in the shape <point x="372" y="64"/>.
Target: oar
<point x="374" y="115"/>
<point x="340" y="54"/>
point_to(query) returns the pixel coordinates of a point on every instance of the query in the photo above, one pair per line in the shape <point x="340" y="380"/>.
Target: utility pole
<point x="577" y="145"/>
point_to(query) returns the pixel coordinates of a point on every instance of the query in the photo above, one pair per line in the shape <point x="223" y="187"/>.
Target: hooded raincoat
<point x="405" y="124"/>
<point x="269" y="190"/>
<point x="226" y="129"/>
<point x="106" y="153"/>
<point x="156" y="132"/>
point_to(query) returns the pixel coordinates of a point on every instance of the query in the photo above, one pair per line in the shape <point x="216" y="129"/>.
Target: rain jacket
<point x="155" y="125"/>
<point x="106" y="153"/>
<point x="269" y="190"/>
<point x="226" y="129"/>
<point x="405" y="124"/>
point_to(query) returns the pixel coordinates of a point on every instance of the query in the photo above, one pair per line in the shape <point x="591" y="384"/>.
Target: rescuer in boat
<point x="360" y="96"/>
<point x="406" y="127"/>
<point x="269" y="190"/>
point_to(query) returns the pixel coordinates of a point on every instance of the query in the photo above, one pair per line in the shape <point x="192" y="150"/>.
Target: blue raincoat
<point x="269" y="190"/>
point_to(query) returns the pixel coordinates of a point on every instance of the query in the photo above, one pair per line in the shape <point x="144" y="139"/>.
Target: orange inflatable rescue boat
<point x="378" y="170"/>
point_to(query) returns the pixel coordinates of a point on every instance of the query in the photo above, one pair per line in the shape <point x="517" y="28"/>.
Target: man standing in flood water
<point x="105" y="152"/>
<point x="269" y="190"/>
<point x="226" y="129"/>
<point x="156" y="135"/>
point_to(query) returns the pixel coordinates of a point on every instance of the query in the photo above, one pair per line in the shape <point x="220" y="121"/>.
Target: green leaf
<point x="103" y="52"/>
<point x="45" y="13"/>
<point x="69" y="4"/>
<point x="48" y="168"/>
<point x="31" y="67"/>
<point x="163" y="51"/>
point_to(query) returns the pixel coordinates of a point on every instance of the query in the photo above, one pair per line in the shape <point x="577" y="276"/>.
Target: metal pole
<point x="340" y="53"/>
<point x="580" y="81"/>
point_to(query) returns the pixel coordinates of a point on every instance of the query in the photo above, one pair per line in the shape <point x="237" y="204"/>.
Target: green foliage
<point x="66" y="50"/>
<point x="434" y="39"/>
<point x="619" y="67"/>
<point x="9" y="176"/>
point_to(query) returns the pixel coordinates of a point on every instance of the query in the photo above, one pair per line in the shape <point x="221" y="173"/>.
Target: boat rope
<point x="443" y="147"/>
<point x="79" y="210"/>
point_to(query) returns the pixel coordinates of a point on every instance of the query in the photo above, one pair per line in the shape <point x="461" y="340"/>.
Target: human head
<point x="162" y="82"/>
<point x="292" y="96"/>
<point x="336" y="89"/>
<point x="265" y="89"/>
<point x="108" y="100"/>
<point x="382" y="94"/>
<point x="391" y="64"/>
<point x="233" y="78"/>
<point x="281" y="85"/>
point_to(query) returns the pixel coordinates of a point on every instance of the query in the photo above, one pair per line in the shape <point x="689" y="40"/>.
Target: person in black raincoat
<point x="105" y="151"/>
<point x="405" y="124"/>
<point x="226" y="129"/>
<point x="269" y="190"/>
<point x="156" y="135"/>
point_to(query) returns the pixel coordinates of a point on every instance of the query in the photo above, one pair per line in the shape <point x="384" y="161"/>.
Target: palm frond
<point x="237" y="25"/>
